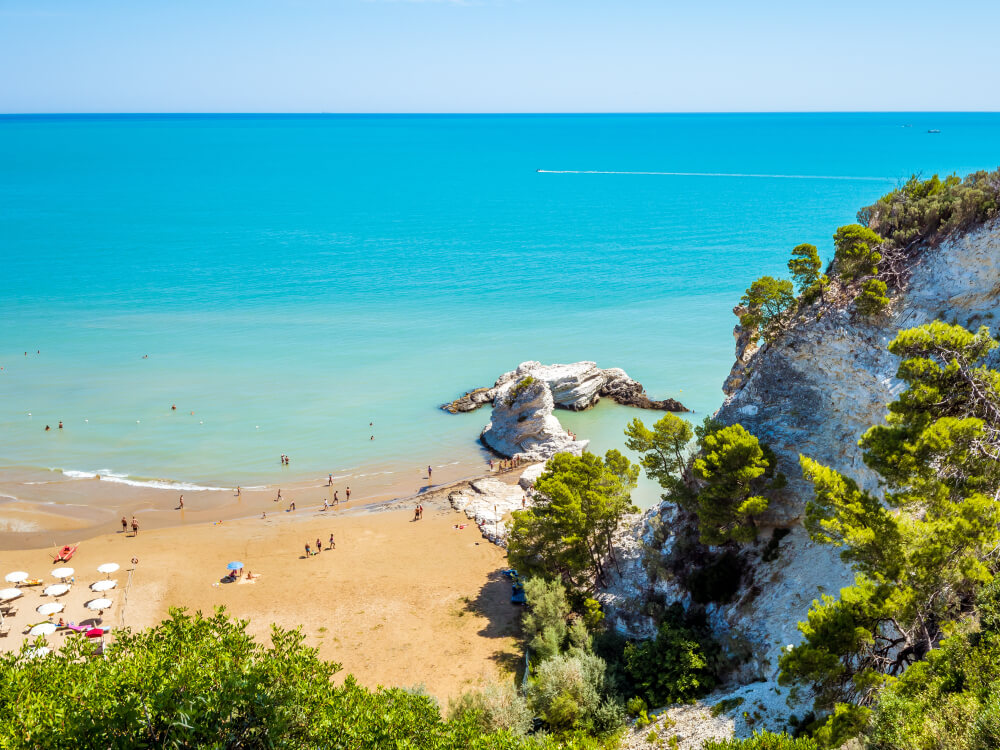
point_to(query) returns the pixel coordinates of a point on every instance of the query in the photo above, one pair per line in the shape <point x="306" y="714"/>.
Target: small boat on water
<point x="66" y="553"/>
<point x="933" y="131"/>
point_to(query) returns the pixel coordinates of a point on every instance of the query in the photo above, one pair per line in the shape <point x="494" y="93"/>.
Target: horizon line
<point x="180" y="113"/>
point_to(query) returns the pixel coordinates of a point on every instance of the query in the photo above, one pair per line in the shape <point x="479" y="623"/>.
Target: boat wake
<point x="723" y="174"/>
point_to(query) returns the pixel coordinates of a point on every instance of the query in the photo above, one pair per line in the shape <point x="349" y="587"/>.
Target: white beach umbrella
<point x="108" y="568"/>
<point x="62" y="573"/>
<point x="50" y="608"/>
<point x="96" y="604"/>
<point x="103" y="585"/>
<point x="56" y="589"/>
<point x="43" y="628"/>
<point x="34" y="653"/>
<point x="18" y="576"/>
<point x="7" y="594"/>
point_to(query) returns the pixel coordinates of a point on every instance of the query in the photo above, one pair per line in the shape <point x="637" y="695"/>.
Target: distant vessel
<point x="933" y="131"/>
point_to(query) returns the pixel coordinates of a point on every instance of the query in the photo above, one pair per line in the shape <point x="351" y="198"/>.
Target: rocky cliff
<point x="814" y="390"/>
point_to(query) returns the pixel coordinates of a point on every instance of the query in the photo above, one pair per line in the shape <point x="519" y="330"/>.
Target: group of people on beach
<point x="418" y="512"/>
<point x="284" y="460"/>
<point x="507" y="464"/>
<point x="319" y="546"/>
<point x="135" y="526"/>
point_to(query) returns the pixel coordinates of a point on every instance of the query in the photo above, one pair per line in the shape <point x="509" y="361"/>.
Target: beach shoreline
<point x="395" y="598"/>
<point x="39" y="507"/>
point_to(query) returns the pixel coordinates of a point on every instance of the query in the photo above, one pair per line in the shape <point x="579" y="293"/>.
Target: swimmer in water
<point x="60" y="424"/>
<point x="47" y="428"/>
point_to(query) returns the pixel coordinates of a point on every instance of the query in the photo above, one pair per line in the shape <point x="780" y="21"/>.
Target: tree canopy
<point x="856" y="251"/>
<point x="766" y="301"/>
<point x="568" y="532"/>
<point x="197" y="681"/>
<point x="924" y="551"/>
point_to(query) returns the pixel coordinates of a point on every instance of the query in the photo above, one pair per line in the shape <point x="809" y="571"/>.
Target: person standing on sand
<point x="135" y="527"/>
<point x="336" y="500"/>
<point x="291" y="505"/>
<point x="329" y="480"/>
<point x="348" y="493"/>
<point x="181" y="506"/>
<point x="326" y="505"/>
<point x="319" y="546"/>
<point x="308" y="550"/>
<point x="332" y="543"/>
<point x="429" y="472"/>
<point x="124" y="525"/>
<point x="279" y="495"/>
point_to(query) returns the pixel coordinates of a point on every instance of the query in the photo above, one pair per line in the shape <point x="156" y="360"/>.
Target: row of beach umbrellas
<point x="20" y="576"/>
<point x="59" y="589"/>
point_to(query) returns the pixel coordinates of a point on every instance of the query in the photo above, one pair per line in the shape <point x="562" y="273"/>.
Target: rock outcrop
<point x="522" y="423"/>
<point x="575" y="386"/>
<point x="486" y="502"/>
<point x="814" y="391"/>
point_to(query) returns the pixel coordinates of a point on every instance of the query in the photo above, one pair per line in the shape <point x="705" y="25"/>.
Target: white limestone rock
<point x="522" y="424"/>
<point x="486" y="502"/>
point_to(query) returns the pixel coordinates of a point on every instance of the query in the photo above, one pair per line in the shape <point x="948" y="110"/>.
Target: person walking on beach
<point x="239" y="491"/>
<point x="135" y="527"/>
<point x="308" y="550"/>
<point x="124" y="525"/>
<point x="291" y="505"/>
<point x="279" y="495"/>
<point x="348" y="493"/>
<point x="181" y="506"/>
<point x="336" y="499"/>
<point x="429" y="472"/>
<point x="333" y="544"/>
<point x="326" y="505"/>
<point x="329" y="480"/>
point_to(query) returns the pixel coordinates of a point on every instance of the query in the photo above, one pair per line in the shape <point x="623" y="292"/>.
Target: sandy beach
<point x="398" y="602"/>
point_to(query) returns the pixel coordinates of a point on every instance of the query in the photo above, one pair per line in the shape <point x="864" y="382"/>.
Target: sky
<point x="498" y="55"/>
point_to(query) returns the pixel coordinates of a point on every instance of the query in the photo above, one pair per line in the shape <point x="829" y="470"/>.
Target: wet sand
<point x="39" y="508"/>
<point x="398" y="602"/>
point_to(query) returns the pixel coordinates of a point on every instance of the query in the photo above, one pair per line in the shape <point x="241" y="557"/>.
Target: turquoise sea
<point x="294" y="278"/>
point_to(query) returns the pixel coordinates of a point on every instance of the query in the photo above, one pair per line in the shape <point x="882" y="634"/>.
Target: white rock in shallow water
<point x="522" y="424"/>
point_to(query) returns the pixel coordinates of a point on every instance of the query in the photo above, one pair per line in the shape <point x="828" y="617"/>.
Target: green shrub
<point x="495" y="707"/>
<point x="196" y="681"/>
<point x="930" y="209"/>
<point x="545" y="619"/>
<point x="767" y="300"/>
<point x="566" y="691"/>
<point x="856" y="251"/>
<point x="763" y="741"/>
<point x="872" y="300"/>
<point x="678" y="665"/>
<point x="519" y="388"/>
<point x="725" y="706"/>
<point x="636" y="706"/>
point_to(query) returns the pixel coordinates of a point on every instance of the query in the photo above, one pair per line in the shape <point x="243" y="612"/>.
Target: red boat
<point x="66" y="553"/>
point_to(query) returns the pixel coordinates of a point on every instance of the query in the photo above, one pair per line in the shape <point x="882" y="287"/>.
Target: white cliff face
<point x="522" y="423"/>
<point x="815" y="391"/>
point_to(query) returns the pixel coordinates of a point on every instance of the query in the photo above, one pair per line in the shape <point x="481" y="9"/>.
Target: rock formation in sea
<point x="814" y="390"/>
<point x="575" y="386"/>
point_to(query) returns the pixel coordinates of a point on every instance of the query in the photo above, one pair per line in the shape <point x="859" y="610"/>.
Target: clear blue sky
<point x="497" y="55"/>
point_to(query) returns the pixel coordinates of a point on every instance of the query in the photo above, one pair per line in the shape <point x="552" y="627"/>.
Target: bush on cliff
<point x="663" y="452"/>
<point x="872" y="300"/>
<point x="856" y="251"/>
<point x="923" y="553"/>
<point x="763" y="741"/>
<point x="196" y="681"/>
<point x="677" y="666"/>
<point x="767" y="300"/>
<point x="737" y="474"/>
<point x="930" y="209"/>
<point x="568" y="533"/>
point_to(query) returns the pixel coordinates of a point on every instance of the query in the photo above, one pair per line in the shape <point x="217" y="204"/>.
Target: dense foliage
<point x="924" y="552"/>
<point x="856" y="251"/>
<point x="763" y="741"/>
<point x="196" y="681"/>
<point x="766" y="301"/>
<point x="736" y="474"/>
<point x="568" y="532"/>
<point x="679" y="665"/>
<point x="872" y="299"/>
<point x="726" y="485"/>
<point x="927" y="209"/>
